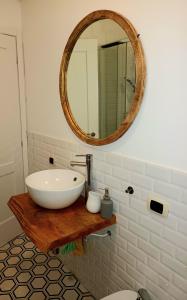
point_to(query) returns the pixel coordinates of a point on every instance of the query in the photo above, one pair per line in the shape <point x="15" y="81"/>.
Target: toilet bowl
<point x="122" y="295"/>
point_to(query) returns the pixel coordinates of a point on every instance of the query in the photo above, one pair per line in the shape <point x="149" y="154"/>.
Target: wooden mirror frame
<point x="140" y="75"/>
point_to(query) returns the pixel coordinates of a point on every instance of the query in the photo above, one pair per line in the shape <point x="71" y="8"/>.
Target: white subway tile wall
<point x="145" y="250"/>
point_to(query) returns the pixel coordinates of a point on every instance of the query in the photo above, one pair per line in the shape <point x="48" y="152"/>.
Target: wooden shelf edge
<point x="49" y="229"/>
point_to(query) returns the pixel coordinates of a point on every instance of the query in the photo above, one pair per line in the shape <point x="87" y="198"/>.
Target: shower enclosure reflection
<point x="101" y="78"/>
<point x="116" y="85"/>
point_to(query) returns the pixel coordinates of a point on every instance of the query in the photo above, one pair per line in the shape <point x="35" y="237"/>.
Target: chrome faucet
<point x="86" y="164"/>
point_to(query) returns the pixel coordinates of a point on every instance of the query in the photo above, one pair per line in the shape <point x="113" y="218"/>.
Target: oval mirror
<point x="102" y="77"/>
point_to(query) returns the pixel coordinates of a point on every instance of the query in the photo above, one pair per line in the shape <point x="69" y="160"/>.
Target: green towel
<point x="68" y="248"/>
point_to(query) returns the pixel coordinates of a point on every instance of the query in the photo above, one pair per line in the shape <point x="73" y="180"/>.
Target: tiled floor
<point x="27" y="273"/>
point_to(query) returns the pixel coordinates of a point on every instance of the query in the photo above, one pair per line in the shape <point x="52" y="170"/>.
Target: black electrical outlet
<point x="51" y="160"/>
<point x="157" y="207"/>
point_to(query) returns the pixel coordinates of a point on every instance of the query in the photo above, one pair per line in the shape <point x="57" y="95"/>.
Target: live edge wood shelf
<point x="49" y="228"/>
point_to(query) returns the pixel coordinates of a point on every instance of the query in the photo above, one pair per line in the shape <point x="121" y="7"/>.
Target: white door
<point x="11" y="161"/>
<point x="82" y="85"/>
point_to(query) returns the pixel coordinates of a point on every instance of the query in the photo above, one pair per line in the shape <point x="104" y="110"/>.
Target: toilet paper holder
<point x="99" y="235"/>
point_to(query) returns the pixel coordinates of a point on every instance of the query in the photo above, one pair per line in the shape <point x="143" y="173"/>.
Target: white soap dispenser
<point x="93" y="203"/>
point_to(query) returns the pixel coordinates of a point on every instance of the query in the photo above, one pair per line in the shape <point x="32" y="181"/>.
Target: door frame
<point x="22" y="91"/>
<point x="90" y="48"/>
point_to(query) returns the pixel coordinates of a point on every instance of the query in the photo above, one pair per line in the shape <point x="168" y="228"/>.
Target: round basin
<point x="55" y="188"/>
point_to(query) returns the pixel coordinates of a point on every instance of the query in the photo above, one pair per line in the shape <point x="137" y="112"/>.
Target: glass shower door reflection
<point x="116" y="86"/>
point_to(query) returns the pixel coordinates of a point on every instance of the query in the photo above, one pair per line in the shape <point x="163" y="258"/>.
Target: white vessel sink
<point x="55" y="188"/>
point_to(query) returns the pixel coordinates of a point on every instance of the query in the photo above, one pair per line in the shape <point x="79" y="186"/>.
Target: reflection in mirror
<point x="101" y="78"/>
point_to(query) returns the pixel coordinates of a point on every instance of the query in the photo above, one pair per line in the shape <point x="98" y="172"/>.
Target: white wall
<point x="158" y="133"/>
<point x="10" y="14"/>
<point x="104" y="31"/>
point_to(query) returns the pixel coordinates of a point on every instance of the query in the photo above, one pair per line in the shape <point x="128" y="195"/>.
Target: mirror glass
<point x="101" y="78"/>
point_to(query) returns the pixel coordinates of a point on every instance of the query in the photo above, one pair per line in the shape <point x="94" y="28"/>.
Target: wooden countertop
<point x="49" y="228"/>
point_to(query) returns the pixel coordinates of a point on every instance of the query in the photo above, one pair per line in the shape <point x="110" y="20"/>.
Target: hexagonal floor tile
<point x="37" y="296"/>
<point x="21" y="291"/>
<point x="16" y="250"/>
<point x="29" y="245"/>
<point x="69" y="281"/>
<point x="10" y="272"/>
<point x="51" y="253"/>
<point x="38" y="276"/>
<point x="18" y="241"/>
<point x="2" y="266"/>
<point x="13" y="260"/>
<point x="26" y="265"/>
<point x="82" y="289"/>
<point x="24" y="277"/>
<point x="7" y="285"/>
<point x="70" y="295"/>
<point x="38" y="250"/>
<point x="38" y="283"/>
<point x="54" y="263"/>
<point x="5" y="247"/>
<point x="54" y="275"/>
<point x="22" y="235"/>
<point x="39" y="270"/>
<point x="65" y="270"/>
<point x="40" y="258"/>
<point x="54" y="289"/>
<point x="28" y="254"/>
<point x="5" y="297"/>
<point x="3" y="255"/>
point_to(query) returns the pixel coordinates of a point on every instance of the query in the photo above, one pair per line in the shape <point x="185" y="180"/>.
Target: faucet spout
<point x="77" y="163"/>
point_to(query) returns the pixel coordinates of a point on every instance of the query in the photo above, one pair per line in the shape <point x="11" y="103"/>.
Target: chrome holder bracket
<point x="99" y="235"/>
